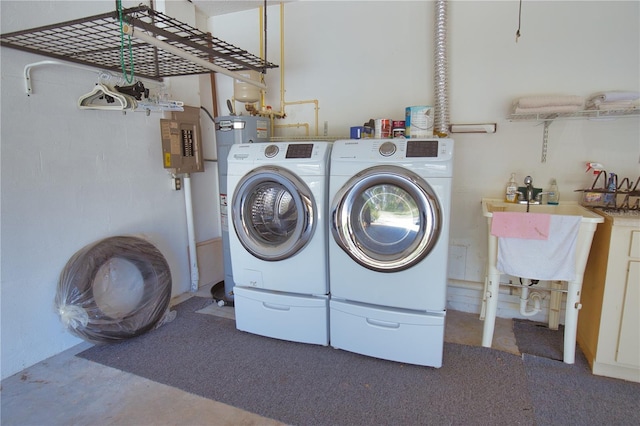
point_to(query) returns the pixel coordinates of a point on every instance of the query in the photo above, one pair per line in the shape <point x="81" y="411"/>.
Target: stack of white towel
<point x="548" y="104"/>
<point x="614" y="100"/>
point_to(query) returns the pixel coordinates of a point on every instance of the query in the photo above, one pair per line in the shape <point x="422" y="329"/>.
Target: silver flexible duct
<point x="441" y="118"/>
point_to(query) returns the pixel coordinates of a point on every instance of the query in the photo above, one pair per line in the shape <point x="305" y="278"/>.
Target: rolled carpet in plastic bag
<point x="114" y="289"/>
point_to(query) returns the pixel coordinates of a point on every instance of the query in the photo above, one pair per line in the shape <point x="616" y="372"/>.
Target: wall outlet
<point x="176" y="183"/>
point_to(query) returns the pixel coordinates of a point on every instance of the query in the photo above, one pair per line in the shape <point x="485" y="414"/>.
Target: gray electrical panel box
<point x="181" y="143"/>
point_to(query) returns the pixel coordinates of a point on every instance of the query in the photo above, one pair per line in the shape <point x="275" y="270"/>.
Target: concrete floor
<point x="67" y="390"/>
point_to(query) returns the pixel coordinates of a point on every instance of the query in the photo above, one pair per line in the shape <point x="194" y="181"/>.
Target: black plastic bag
<point x="114" y="289"/>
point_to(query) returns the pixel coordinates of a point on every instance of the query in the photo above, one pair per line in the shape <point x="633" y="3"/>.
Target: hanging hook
<point x="519" y="20"/>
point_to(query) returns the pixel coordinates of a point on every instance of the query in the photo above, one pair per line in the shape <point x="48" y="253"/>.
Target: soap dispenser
<point x="553" y="197"/>
<point x="511" y="191"/>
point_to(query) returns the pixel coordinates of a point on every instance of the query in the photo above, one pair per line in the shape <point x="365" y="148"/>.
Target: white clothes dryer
<point x="388" y="249"/>
<point x="279" y="241"/>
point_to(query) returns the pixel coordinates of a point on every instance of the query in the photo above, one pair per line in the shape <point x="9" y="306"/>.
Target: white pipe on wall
<point x="191" y="235"/>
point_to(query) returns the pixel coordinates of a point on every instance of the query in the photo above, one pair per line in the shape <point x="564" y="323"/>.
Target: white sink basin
<point x="588" y="226"/>
<point x="564" y="208"/>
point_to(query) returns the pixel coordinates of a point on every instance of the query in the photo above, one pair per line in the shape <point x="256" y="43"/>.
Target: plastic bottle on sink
<point x="553" y="197"/>
<point x="610" y="195"/>
<point x="511" y="191"/>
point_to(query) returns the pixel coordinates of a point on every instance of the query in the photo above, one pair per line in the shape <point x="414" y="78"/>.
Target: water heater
<point x="232" y="130"/>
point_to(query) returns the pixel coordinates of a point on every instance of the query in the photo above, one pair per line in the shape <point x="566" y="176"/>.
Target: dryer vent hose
<point x="441" y="118"/>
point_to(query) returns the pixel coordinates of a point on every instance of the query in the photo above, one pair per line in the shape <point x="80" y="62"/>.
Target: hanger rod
<point x="103" y="73"/>
<point x="128" y="29"/>
<point x="27" y="71"/>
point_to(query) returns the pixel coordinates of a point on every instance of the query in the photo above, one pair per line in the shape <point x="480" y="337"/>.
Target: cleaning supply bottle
<point x="511" y="191"/>
<point x="553" y="197"/>
<point x="610" y="195"/>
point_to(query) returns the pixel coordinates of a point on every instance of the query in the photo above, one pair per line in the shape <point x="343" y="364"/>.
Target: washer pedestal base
<point x="285" y="316"/>
<point x="388" y="333"/>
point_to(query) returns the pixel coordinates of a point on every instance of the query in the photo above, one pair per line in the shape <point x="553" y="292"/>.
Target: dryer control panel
<point x="299" y="150"/>
<point x="422" y="148"/>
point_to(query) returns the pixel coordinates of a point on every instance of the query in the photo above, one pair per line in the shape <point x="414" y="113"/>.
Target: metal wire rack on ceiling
<point x="95" y="41"/>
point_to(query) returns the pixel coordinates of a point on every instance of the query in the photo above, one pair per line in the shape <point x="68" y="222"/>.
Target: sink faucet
<point x="527" y="197"/>
<point x="528" y="181"/>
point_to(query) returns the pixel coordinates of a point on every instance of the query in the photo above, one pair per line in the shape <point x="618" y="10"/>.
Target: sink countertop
<point x="623" y="218"/>
<point x="569" y="208"/>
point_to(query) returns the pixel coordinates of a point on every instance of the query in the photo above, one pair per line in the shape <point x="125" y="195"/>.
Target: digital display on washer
<point x="422" y="148"/>
<point x="299" y="150"/>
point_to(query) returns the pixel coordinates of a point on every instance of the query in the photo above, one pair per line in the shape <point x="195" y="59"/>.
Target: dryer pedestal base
<point x="285" y="316"/>
<point x="388" y="333"/>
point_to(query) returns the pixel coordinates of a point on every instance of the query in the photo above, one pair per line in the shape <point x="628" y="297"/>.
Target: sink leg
<point x="491" y="308"/>
<point x="492" y="287"/>
<point x="571" y="320"/>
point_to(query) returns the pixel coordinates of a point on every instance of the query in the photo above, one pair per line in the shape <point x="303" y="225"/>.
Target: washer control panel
<point x="387" y="149"/>
<point x="271" y="151"/>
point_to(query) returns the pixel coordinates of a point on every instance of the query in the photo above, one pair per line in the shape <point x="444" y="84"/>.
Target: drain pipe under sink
<point x="524" y="299"/>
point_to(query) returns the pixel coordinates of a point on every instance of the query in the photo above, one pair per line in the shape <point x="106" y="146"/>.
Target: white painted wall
<point x="71" y="177"/>
<point x="369" y="59"/>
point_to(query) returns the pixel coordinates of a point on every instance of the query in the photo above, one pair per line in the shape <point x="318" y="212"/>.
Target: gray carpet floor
<point x="536" y="338"/>
<point x="303" y="384"/>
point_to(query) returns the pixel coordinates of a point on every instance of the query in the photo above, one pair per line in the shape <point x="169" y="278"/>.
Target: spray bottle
<point x="596" y="167"/>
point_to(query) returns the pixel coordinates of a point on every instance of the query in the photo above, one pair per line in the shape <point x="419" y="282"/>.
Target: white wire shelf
<point x="585" y="114"/>
<point x="96" y="41"/>
<point x="590" y="114"/>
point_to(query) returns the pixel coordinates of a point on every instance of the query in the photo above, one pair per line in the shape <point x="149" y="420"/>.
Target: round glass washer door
<point x="386" y="218"/>
<point x="273" y="212"/>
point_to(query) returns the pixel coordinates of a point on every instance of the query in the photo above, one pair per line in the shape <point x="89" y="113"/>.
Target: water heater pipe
<point x="191" y="235"/>
<point x="294" y="125"/>
<point x="283" y="103"/>
<point x="129" y="30"/>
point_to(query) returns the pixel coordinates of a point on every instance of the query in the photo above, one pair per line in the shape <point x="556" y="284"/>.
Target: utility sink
<point x="588" y="226"/>
<point x="564" y="208"/>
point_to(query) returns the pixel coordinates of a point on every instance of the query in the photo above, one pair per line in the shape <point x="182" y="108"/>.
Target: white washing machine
<point x="388" y="248"/>
<point x="279" y="240"/>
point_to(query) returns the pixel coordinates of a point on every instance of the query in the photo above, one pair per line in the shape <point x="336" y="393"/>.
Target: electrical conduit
<point x="193" y="256"/>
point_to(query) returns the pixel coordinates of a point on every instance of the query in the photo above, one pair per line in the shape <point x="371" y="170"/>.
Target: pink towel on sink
<point x="528" y="226"/>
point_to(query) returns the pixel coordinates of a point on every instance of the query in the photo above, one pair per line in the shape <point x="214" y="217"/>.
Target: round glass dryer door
<point x="386" y="218"/>
<point x="273" y="213"/>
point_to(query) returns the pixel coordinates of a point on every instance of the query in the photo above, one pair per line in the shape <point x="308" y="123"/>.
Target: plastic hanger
<point x="103" y="97"/>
